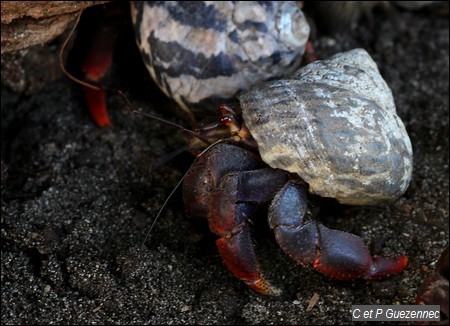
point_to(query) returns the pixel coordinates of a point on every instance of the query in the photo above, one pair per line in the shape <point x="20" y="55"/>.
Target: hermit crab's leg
<point x="434" y="289"/>
<point x="97" y="62"/>
<point x="228" y="218"/>
<point x="339" y="255"/>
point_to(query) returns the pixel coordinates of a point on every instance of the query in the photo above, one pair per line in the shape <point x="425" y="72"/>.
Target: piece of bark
<point x="28" y="23"/>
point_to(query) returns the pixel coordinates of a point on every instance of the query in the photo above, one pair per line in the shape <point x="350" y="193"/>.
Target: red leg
<point x="97" y="62"/>
<point x="96" y="101"/>
<point x="236" y="249"/>
<point x="228" y="219"/>
<point x="310" y="55"/>
<point x="339" y="255"/>
<point x="434" y="290"/>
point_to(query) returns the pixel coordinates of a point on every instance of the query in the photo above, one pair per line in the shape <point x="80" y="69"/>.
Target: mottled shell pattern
<point x="202" y="53"/>
<point x="334" y="123"/>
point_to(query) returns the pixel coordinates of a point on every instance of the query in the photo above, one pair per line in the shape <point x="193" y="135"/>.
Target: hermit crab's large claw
<point x="336" y="254"/>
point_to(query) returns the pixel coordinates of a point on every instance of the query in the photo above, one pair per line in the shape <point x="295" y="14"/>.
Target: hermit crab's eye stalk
<point x="238" y="130"/>
<point x="228" y="118"/>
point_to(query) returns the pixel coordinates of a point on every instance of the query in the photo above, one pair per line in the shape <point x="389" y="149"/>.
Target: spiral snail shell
<point x="334" y="123"/>
<point x="202" y="53"/>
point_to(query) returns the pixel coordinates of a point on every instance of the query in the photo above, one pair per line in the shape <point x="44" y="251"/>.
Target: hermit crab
<point x="331" y="129"/>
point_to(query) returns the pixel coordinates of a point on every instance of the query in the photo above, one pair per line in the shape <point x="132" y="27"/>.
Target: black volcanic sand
<point x="79" y="201"/>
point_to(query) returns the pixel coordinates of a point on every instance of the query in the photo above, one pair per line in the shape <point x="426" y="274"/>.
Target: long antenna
<point x="207" y="141"/>
<point x="179" y="183"/>
<point x="130" y="107"/>
<point x="165" y="203"/>
<point x="159" y="161"/>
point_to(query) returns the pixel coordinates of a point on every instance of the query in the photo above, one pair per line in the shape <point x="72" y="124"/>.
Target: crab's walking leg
<point x="228" y="218"/>
<point x="97" y="63"/>
<point x="339" y="255"/>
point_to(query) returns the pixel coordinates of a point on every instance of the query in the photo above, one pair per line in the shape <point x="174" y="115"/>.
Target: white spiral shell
<point x="202" y="53"/>
<point x="334" y="123"/>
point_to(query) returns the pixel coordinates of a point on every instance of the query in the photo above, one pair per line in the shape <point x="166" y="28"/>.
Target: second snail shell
<point x="203" y="53"/>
